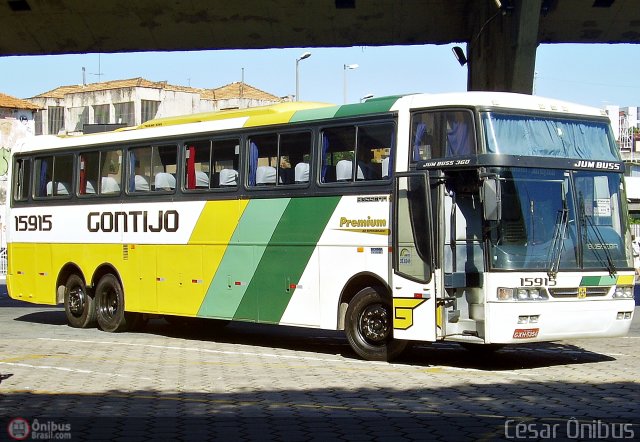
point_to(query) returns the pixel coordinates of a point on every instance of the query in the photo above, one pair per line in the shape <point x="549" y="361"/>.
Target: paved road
<point x="256" y="382"/>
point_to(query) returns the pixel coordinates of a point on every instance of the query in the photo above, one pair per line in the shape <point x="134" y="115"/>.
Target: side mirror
<point x="491" y="199"/>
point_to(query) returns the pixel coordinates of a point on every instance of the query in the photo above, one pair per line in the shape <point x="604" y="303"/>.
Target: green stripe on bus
<point x="597" y="280"/>
<point x="287" y="255"/>
<point x="372" y="106"/>
<point x="239" y="262"/>
<point x="314" y="114"/>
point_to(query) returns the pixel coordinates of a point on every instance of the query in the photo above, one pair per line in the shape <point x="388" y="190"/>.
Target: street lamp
<point x="347" y="67"/>
<point x="302" y="57"/>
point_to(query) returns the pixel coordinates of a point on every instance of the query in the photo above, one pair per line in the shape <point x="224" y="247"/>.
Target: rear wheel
<point x="78" y="303"/>
<point x="369" y="326"/>
<point x="109" y="298"/>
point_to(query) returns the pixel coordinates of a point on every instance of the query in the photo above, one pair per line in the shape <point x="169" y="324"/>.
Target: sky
<point x="591" y="74"/>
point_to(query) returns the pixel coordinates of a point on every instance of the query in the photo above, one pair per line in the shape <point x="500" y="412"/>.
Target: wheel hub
<point x="374" y="323"/>
<point x="76" y="301"/>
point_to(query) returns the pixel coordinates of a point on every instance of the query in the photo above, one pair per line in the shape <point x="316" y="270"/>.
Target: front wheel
<point x="369" y="327"/>
<point x="109" y="299"/>
<point x="78" y="303"/>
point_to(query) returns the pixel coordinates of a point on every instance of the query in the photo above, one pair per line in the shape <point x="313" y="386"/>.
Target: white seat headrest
<point x="343" y="170"/>
<point x="301" y="173"/>
<point x="228" y="177"/>
<point x="266" y="175"/>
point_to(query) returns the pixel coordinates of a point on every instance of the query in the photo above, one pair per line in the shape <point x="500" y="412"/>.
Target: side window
<point x="263" y="160"/>
<point x="197" y="173"/>
<point x="110" y="172"/>
<point x="21" y="179"/>
<point x="279" y="159"/>
<point x="357" y="153"/>
<point x="89" y="165"/>
<point x="441" y="134"/>
<point x="460" y="134"/>
<point x="54" y="176"/>
<point x="211" y="164"/>
<point x="152" y="169"/>
<point x="225" y="163"/>
<point x="424" y="140"/>
<point x="294" y="154"/>
<point x="100" y="173"/>
<point x="338" y="154"/>
<point x="373" y="152"/>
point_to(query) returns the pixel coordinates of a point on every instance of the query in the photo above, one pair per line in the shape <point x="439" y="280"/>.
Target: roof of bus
<point x="291" y="112"/>
<point x="505" y="100"/>
<point x="294" y="112"/>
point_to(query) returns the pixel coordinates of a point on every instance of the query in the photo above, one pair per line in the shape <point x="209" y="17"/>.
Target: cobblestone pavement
<point x="256" y="382"/>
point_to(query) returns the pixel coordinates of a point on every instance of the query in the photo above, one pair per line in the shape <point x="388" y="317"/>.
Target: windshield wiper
<point x="589" y="222"/>
<point x="557" y="243"/>
<point x="610" y="266"/>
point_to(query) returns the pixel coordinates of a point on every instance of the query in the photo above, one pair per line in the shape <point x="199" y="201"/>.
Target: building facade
<point x="121" y="103"/>
<point x="626" y="127"/>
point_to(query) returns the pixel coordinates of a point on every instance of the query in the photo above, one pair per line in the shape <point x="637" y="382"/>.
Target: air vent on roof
<point x="19" y="5"/>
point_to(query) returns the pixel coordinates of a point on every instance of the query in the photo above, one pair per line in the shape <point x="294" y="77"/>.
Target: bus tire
<point x="79" y="306"/>
<point x="369" y="327"/>
<point x="109" y="298"/>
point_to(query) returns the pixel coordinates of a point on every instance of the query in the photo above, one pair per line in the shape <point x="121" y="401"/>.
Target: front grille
<point x="572" y="292"/>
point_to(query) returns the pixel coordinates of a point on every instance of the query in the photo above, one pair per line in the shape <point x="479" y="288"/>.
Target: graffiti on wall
<point x="11" y="131"/>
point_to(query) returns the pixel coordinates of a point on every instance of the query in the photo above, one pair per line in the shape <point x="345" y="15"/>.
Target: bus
<point x="485" y="219"/>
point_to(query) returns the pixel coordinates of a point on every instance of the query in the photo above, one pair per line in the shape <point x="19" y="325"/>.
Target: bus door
<point x="412" y="275"/>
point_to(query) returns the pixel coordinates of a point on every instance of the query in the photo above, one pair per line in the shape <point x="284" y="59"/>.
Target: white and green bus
<point x="478" y="218"/>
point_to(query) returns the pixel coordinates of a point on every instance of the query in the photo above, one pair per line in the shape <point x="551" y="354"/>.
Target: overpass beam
<point x="502" y="52"/>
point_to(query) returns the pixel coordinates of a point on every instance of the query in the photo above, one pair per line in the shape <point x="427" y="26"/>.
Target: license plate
<point x="525" y="333"/>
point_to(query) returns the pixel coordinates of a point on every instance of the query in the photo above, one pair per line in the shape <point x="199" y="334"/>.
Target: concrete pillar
<point x="502" y="52"/>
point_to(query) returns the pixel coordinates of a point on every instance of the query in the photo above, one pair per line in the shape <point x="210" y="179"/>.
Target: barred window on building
<point x="101" y="114"/>
<point x="79" y="117"/>
<point x="124" y="113"/>
<point x="55" y="119"/>
<point x="38" y="123"/>
<point x="149" y="110"/>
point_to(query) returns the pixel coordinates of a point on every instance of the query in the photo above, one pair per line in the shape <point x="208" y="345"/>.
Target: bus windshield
<point x="518" y="134"/>
<point x="559" y="220"/>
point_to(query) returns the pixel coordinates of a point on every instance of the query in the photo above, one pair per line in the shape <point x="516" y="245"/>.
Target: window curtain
<point x="191" y="167"/>
<point x="42" y="191"/>
<point x="253" y="163"/>
<point x="531" y="136"/>
<point x="458" y="138"/>
<point x="421" y="129"/>
<point x="325" y="150"/>
<point x="132" y="171"/>
<point x="392" y="153"/>
<point x="83" y="175"/>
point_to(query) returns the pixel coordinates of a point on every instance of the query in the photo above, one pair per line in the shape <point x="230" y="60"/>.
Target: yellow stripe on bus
<point x="217" y="221"/>
<point x="625" y="280"/>
<point x="184" y="273"/>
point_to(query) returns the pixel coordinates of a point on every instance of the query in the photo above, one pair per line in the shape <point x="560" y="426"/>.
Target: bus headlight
<point x="623" y="292"/>
<point x="522" y="294"/>
<point x="534" y="294"/>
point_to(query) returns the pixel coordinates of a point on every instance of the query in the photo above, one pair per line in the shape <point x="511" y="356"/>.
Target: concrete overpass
<point x="501" y="36"/>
